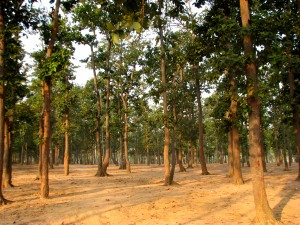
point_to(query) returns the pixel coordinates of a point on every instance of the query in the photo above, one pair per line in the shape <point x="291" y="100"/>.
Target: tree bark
<point x="124" y="100"/>
<point x="67" y="152"/>
<point x="7" y="182"/>
<point x="234" y="136"/>
<point x="56" y="161"/>
<point x="2" y="97"/>
<point x="167" y="175"/>
<point x="264" y="214"/>
<point x="107" y="114"/>
<point x="295" y="113"/>
<point x="47" y="109"/>
<point x="180" y="155"/>
<point x="189" y="156"/>
<point x="200" y="125"/>
<point x="122" y="159"/>
<point x="98" y="117"/>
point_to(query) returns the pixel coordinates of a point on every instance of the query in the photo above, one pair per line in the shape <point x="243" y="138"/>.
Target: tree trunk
<point x="200" y="124"/>
<point x="47" y="110"/>
<point x="167" y="175"/>
<point x="7" y="172"/>
<point x="158" y="148"/>
<point x="180" y="155"/>
<point x="128" y="169"/>
<point x="234" y="135"/>
<point x="56" y="161"/>
<point x="122" y="160"/>
<point x="46" y="139"/>
<point x="98" y="117"/>
<point x="107" y="115"/>
<point x="189" y="156"/>
<point x="264" y="214"/>
<point x="147" y="144"/>
<point x="237" y="171"/>
<point x="284" y="149"/>
<point x="2" y="98"/>
<point x="295" y="112"/>
<point x="67" y="153"/>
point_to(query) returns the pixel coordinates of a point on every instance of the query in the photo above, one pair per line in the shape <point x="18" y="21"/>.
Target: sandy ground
<point x="141" y="198"/>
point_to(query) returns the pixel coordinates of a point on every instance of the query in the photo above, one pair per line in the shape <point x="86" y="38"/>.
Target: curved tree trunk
<point x="201" y="127"/>
<point x="264" y="214"/>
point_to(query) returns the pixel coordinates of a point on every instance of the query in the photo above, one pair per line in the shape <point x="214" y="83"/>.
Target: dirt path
<point x="140" y="197"/>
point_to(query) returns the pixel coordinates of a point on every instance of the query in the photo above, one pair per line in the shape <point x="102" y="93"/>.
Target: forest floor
<point x="141" y="198"/>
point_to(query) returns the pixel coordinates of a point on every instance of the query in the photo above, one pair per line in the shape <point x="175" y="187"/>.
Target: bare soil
<point x="141" y="198"/>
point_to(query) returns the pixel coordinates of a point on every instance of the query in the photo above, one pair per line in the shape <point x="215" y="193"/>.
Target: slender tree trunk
<point x="46" y="139"/>
<point x="128" y="169"/>
<point x="284" y="149"/>
<point x="47" y="110"/>
<point x="158" y="148"/>
<point x="107" y="114"/>
<point x="200" y="124"/>
<point x="167" y="176"/>
<point x="276" y="133"/>
<point x="290" y="153"/>
<point x="122" y="159"/>
<point x="56" y="161"/>
<point x="67" y="153"/>
<point x="234" y="135"/>
<point x="264" y="214"/>
<point x="147" y="144"/>
<point x="98" y="117"/>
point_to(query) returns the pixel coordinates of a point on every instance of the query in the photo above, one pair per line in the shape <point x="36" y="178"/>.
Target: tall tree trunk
<point x="122" y="159"/>
<point x="230" y="154"/>
<point x="2" y="97"/>
<point x="295" y="112"/>
<point x="284" y="149"/>
<point x="98" y="117"/>
<point x="200" y="125"/>
<point x="264" y="214"/>
<point x="67" y="153"/>
<point x="234" y="135"/>
<point x="107" y="114"/>
<point x="47" y="110"/>
<point x="167" y="175"/>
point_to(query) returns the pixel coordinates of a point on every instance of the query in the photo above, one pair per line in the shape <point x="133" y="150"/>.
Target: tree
<point x="2" y="95"/>
<point x="264" y="213"/>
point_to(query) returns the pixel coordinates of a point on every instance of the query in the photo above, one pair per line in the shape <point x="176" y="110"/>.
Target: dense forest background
<point x="172" y="80"/>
